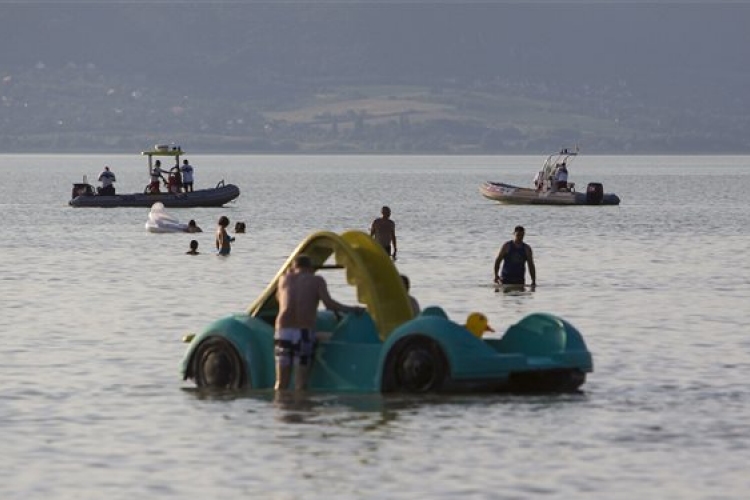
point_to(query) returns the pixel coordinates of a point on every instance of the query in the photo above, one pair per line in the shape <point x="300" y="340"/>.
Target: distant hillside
<point x="370" y="77"/>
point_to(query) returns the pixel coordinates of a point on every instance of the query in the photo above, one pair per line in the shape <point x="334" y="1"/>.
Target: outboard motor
<point x="594" y="193"/>
<point x="82" y="189"/>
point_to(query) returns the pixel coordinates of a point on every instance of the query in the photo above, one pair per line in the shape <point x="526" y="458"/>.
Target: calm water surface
<point x="93" y="308"/>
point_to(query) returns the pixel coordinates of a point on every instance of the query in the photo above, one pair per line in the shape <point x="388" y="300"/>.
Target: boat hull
<point x="510" y="194"/>
<point x="212" y="197"/>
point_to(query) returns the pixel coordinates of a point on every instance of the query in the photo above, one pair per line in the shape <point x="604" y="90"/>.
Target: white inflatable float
<point x="159" y="221"/>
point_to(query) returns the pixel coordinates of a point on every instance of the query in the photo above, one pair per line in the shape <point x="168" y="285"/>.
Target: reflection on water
<point x="371" y="411"/>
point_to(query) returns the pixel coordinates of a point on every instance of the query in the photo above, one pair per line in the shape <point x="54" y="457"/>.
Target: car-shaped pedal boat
<point x="387" y="348"/>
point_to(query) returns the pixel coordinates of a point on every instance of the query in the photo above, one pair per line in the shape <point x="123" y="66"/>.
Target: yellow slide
<point x="378" y="283"/>
<point x="368" y="268"/>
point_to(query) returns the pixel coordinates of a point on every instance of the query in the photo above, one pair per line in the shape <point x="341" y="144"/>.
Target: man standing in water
<point x="383" y="229"/>
<point x="515" y="255"/>
<point x="299" y="292"/>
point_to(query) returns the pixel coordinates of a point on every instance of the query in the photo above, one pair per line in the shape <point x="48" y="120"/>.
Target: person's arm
<point x="331" y="304"/>
<point x="498" y="260"/>
<point x="372" y="228"/>
<point x="530" y="262"/>
<point x="393" y="239"/>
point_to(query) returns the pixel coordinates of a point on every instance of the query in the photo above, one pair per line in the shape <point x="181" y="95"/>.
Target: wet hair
<point x="239" y="227"/>
<point x="191" y="223"/>
<point x="519" y="229"/>
<point x="385" y="209"/>
<point x="223" y="221"/>
<point x="193" y="244"/>
<point x="303" y="261"/>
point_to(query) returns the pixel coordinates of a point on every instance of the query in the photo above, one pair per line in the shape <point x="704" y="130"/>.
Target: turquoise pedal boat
<point x="387" y="349"/>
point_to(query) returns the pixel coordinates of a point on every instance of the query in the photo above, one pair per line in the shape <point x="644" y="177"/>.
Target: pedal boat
<point x="387" y="348"/>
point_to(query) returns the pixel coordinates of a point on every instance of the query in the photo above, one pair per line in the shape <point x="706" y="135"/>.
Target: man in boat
<point x="187" y="176"/>
<point x="539" y="180"/>
<point x="383" y="229"/>
<point x="157" y="175"/>
<point x="561" y="177"/>
<point x="299" y="292"/>
<point x="515" y="256"/>
<point x="412" y="299"/>
<point x="107" y="177"/>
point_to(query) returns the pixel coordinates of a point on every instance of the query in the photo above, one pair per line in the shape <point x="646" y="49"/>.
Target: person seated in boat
<point x="539" y="180"/>
<point x="157" y="175"/>
<point x="192" y="227"/>
<point x="412" y="300"/>
<point x="561" y="177"/>
<point x="107" y="177"/>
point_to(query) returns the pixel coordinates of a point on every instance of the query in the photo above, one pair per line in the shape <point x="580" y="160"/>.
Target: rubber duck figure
<point x="477" y="324"/>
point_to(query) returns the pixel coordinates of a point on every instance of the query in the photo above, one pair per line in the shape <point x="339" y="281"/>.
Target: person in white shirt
<point x="187" y="176"/>
<point x="561" y="177"/>
<point x="107" y="177"/>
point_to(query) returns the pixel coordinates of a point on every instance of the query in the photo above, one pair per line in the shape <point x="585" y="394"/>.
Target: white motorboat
<point x="550" y="188"/>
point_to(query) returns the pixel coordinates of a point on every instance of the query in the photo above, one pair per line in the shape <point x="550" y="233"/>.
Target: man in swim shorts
<point x="383" y="229"/>
<point x="299" y="292"/>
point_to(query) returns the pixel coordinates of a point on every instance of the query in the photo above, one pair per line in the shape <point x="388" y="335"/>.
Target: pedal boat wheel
<point x="217" y="365"/>
<point x="415" y="364"/>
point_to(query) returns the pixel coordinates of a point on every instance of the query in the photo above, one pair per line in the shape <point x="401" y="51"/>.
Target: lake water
<point x="93" y="308"/>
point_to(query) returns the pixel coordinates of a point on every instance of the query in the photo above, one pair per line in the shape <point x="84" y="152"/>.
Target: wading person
<point x="223" y="240"/>
<point x="515" y="256"/>
<point x="299" y="292"/>
<point x="383" y="229"/>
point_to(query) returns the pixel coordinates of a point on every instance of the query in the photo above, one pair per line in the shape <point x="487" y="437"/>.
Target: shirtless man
<point x="383" y="229"/>
<point x="299" y="292"/>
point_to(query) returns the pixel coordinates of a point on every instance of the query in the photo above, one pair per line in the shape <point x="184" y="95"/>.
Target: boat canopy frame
<point x="565" y="156"/>
<point x="163" y="150"/>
